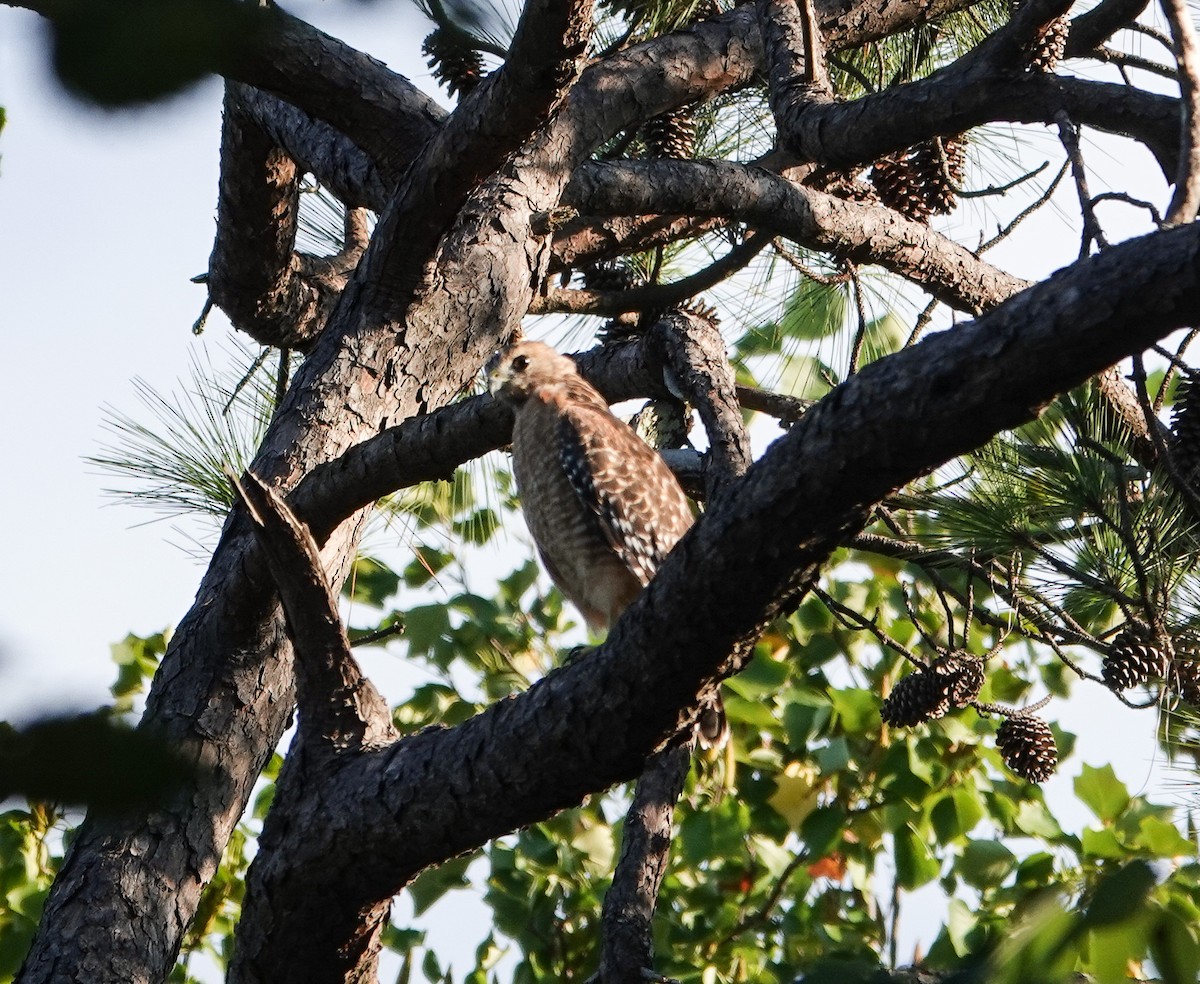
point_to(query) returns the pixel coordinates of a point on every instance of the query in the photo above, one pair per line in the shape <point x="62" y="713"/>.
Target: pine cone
<point x="1132" y="660"/>
<point x="1046" y="50"/>
<point x="455" y="64"/>
<point x="898" y="186"/>
<point x="1185" y="430"/>
<point x="1027" y="747"/>
<point x="671" y="135"/>
<point x="947" y="682"/>
<point x="610" y="276"/>
<point x="1183" y="676"/>
<point x="923" y="180"/>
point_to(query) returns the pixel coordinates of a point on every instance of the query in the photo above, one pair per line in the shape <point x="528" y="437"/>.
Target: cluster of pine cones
<point x="1135" y="658"/>
<point x="1024" y="740"/>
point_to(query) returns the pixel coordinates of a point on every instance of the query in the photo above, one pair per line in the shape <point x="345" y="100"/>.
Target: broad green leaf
<point x="1102" y="791"/>
<point x="985" y="864"/>
<point x="432" y="883"/>
<point x="797" y="789"/>
<point x="1163" y="839"/>
<point x="916" y="864"/>
<point x="1120" y="895"/>
<point x="1175" y="950"/>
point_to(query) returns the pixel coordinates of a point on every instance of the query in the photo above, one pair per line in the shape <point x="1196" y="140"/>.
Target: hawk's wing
<point x="635" y="499"/>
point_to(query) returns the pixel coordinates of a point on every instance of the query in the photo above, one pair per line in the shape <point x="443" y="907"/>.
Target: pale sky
<point x="104" y="218"/>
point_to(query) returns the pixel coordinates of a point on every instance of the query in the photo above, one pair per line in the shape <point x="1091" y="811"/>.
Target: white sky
<point x="104" y="218"/>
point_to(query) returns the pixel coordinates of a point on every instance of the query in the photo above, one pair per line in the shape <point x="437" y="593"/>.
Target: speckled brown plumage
<point x="602" y="507"/>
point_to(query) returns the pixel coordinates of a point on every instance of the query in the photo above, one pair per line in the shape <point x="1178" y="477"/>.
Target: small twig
<point x="786" y="409"/>
<point x="1022" y="215"/>
<point x="610" y="303"/>
<point x="1068" y="134"/>
<point x="1004" y="188"/>
<point x="1124" y="61"/>
<point x="828" y="279"/>
<point x="853" y="620"/>
<point x="1173" y="369"/>
<point x="1151" y="32"/>
<point x="1120" y="196"/>
<point x="199" y="324"/>
<point x="913" y="617"/>
<point x="854" y="72"/>
<point x="378" y="635"/>
<point x="1164" y="454"/>
<point x="242" y="383"/>
<point x="923" y="320"/>
<point x="763" y="913"/>
<point x="281" y="376"/>
<point x="860" y="336"/>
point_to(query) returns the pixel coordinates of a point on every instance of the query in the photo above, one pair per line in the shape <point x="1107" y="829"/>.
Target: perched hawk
<point x="602" y="506"/>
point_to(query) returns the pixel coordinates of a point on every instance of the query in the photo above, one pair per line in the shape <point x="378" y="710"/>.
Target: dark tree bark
<point x="477" y="208"/>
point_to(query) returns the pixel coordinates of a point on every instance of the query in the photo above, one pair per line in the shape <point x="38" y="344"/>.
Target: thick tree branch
<point x="693" y="353"/>
<point x="334" y="159"/>
<point x="1092" y="29"/>
<point x="797" y="78"/>
<point x="863" y="233"/>
<point x="627" y="942"/>
<point x="276" y="296"/>
<point x="339" y="709"/>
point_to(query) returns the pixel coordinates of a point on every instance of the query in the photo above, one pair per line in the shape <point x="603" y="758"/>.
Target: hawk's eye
<point x="520" y="363"/>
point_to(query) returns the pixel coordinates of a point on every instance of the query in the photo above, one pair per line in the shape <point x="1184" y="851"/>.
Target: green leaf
<point x="822" y="830"/>
<point x="371" y="582"/>
<point x="1103" y="844"/>
<point x="985" y="864"/>
<point x="1102" y="791"/>
<point x="915" y="863"/>
<point x="432" y="883"/>
<point x="856" y="710"/>
<point x="1111" y="949"/>
<point x="762" y="677"/>
<point x="1175" y="950"/>
<point x="1163" y="839"/>
<point x="424" y="626"/>
<point x="1120" y="895"/>
<point x="1035" y="819"/>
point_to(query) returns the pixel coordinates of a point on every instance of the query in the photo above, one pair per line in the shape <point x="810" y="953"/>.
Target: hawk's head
<point x="519" y="370"/>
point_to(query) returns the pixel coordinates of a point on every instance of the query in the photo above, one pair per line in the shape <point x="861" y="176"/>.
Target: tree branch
<point x="797" y="79"/>
<point x="610" y="303"/>
<point x="339" y="709"/>
<point x="1185" y="202"/>
<point x="863" y="233"/>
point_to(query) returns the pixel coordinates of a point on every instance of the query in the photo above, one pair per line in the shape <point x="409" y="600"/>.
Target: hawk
<point x="603" y="508"/>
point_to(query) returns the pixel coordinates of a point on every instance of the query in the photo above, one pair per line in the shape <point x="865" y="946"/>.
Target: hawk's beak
<point x="495" y="377"/>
